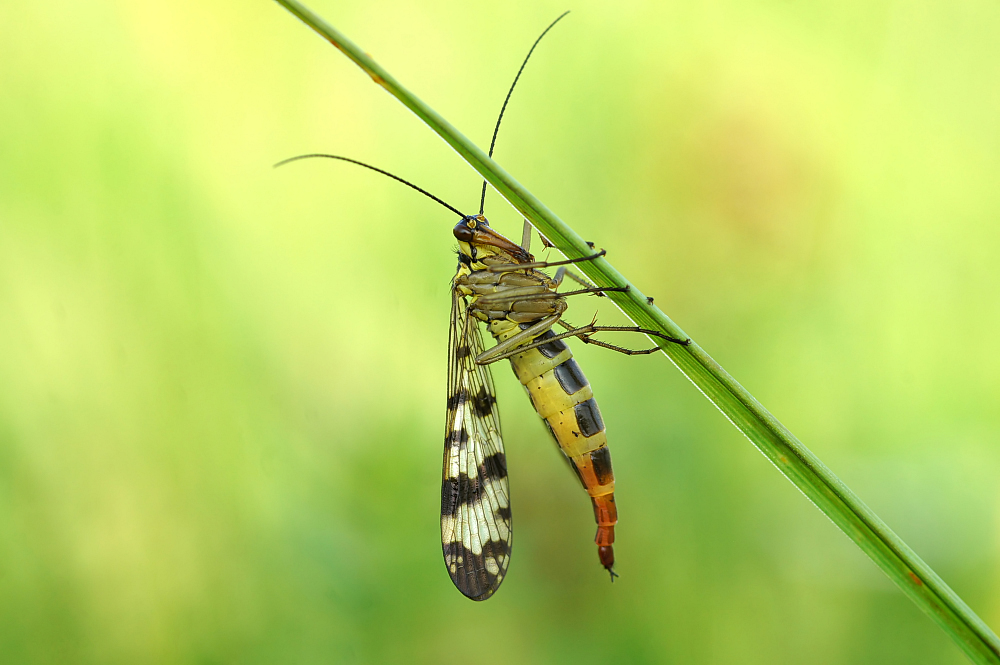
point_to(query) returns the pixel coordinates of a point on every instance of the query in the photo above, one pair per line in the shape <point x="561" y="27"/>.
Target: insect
<point x="499" y="285"/>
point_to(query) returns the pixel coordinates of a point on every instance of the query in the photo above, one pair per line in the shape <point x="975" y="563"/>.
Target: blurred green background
<point x="222" y="385"/>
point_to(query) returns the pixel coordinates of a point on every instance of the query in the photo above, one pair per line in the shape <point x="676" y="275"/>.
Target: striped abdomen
<point x="562" y="396"/>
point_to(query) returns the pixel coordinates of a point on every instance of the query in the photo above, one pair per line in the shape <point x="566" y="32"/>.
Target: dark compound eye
<point x="463" y="232"/>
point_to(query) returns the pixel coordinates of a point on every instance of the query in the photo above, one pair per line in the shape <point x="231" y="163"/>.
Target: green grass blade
<point x="916" y="579"/>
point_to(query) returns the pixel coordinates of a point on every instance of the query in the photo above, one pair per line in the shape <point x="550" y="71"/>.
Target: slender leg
<point x="526" y="236"/>
<point x="631" y="352"/>
<point x="583" y="332"/>
<point x="518" y="293"/>
<point x="569" y="326"/>
<point x="500" y="351"/>
<point x="619" y="349"/>
<point x="513" y="267"/>
<point x="579" y="280"/>
<point x="563" y="272"/>
<point x="637" y="329"/>
<point x="508" y="352"/>
<point x="599" y="290"/>
<point x="527" y="294"/>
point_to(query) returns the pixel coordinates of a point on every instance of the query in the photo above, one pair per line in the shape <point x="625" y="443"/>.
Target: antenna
<point x="377" y="170"/>
<point x="482" y="199"/>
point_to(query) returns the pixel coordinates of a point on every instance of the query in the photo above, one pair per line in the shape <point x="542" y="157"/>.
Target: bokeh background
<point x="222" y="385"/>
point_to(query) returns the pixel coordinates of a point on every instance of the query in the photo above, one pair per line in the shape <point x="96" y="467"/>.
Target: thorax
<point x="516" y="297"/>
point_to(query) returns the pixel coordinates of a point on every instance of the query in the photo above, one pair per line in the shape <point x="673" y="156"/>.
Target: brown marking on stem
<point x="339" y="48"/>
<point x="375" y="77"/>
<point x="916" y="579"/>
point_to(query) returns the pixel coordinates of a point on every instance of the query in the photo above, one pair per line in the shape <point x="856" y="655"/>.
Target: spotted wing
<point x="475" y="509"/>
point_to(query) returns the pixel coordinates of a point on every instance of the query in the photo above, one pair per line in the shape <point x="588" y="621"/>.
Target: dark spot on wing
<point x="494" y="467"/>
<point x="457" y="438"/>
<point x="449" y="496"/>
<point x="471" y="576"/>
<point x="468" y="490"/>
<point x="456" y="399"/>
<point x="483" y="403"/>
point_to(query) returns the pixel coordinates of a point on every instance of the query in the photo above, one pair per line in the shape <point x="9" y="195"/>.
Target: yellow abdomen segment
<point x="562" y="396"/>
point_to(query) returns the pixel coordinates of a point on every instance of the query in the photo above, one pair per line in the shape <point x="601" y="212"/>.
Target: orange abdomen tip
<point x="607" y="555"/>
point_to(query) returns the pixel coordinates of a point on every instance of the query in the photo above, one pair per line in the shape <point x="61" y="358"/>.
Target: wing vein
<point x="475" y="515"/>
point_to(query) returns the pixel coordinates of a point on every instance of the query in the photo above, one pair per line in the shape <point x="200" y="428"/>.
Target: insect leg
<point x="528" y="293"/>
<point x="562" y="272"/>
<point x="501" y="296"/>
<point x="637" y="329"/>
<point x="599" y="290"/>
<point x="579" y="280"/>
<point x="508" y="352"/>
<point x="586" y="339"/>
<point x="619" y="349"/>
<point x="518" y="293"/>
<point x="502" y="350"/>
<point x="526" y="237"/>
<point x="583" y="333"/>
<point x="513" y="267"/>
